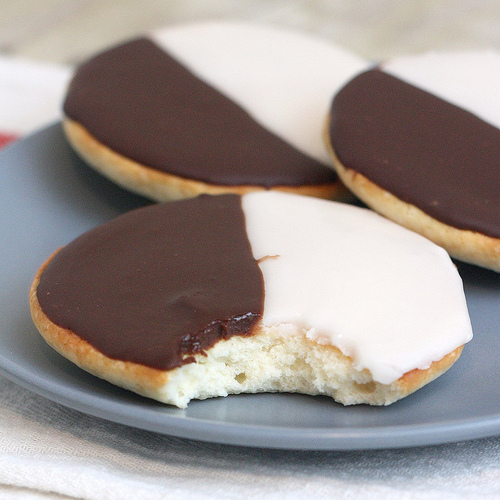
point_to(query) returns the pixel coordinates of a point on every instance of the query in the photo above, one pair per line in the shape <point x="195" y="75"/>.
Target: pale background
<point x="67" y="31"/>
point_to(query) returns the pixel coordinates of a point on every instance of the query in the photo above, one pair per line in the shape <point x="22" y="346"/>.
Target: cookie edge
<point x="465" y="245"/>
<point x="153" y="383"/>
<point x="161" y="186"/>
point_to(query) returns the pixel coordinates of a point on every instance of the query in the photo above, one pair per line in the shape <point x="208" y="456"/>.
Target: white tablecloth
<point x="49" y="451"/>
<point x="45" y="447"/>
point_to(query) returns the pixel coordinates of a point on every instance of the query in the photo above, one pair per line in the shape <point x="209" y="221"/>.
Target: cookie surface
<point x="421" y="146"/>
<point x="264" y="292"/>
<point x="209" y="107"/>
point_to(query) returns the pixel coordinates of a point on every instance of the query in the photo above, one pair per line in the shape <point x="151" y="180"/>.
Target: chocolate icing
<point x="145" y="105"/>
<point x="424" y="150"/>
<point x="158" y="284"/>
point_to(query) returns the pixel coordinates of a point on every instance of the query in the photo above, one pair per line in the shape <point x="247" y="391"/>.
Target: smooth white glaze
<point x="385" y="296"/>
<point x="285" y="80"/>
<point x="470" y="80"/>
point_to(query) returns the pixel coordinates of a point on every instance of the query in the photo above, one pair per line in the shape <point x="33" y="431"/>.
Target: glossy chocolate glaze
<point x="158" y="284"/>
<point x="424" y="150"/>
<point x="142" y="103"/>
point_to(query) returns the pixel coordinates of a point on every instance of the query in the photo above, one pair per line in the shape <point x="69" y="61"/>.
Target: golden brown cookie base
<point x="267" y="361"/>
<point x="160" y="186"/>
<point x="467" y="246"/>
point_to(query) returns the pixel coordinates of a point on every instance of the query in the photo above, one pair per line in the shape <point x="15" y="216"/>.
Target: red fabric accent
<point x="6" y="138"/>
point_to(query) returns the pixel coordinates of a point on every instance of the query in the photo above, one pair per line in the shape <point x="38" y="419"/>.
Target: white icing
<point x="284" y="80"/>
<point x="470" y="80"/>
<point x="385" y="296"/>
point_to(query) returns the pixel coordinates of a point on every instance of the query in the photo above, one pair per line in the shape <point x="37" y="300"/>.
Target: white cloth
<point x="30" y="94"/>
<point x="48" y="451"/>
<point x="45" y="447"/>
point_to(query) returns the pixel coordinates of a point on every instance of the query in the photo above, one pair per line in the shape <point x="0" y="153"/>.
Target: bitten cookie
<point x="209" y="108"/>
<point x="264" y="292"/>
<point x="418" y="140"/>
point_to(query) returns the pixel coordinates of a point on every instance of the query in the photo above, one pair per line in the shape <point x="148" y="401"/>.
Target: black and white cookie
<point x="217" y="295"/>
<point x="213" y="107"/>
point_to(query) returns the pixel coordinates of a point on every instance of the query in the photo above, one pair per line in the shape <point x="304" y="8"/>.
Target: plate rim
<point x="230" y="433"/>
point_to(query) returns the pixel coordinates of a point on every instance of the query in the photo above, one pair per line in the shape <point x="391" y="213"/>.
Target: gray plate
<point x="49" y="196"/>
